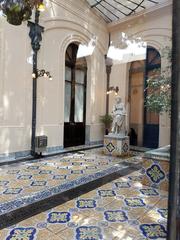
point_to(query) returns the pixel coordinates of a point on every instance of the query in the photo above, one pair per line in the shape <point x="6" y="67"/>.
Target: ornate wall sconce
<point x="113" y="89"/>
<point x="42" y="73"/>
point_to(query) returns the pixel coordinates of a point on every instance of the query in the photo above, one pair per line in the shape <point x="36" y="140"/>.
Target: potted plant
<point x="17" y="11"/>
<point x="107" y="121"/>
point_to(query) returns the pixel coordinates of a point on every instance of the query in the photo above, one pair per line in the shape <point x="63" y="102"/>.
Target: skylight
<point x="113" y="10"/>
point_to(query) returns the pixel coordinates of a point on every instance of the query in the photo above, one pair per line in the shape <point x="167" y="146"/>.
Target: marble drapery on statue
<point x="119" y="117"/>
<point x="116" y="143"/>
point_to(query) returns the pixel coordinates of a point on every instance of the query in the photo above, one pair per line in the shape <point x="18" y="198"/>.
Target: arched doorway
<point x="151" y="119"/>
<point x="75" y="98"/>
<point x="144" y="125"/>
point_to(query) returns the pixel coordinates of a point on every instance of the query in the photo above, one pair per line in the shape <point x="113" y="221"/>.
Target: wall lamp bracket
<point x="113" y="89"/>
<point x="41" y="73"/>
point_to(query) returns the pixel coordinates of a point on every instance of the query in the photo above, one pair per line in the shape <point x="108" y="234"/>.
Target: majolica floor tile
<point x="28" y="233"/>
<point x="157" y="215"/>
<point x="71" y="166"/>
<point x="90" y="194"/>
<point x="163" y="203"/>
<point x="120" y="210"/>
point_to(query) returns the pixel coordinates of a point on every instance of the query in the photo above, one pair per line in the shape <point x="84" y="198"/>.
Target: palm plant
<point x="107" y="121"/>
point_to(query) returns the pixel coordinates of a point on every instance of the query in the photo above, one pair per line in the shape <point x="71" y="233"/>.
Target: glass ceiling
<point x="112" y="10"/>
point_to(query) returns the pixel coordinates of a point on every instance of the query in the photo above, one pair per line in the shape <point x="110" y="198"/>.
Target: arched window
<point x="75" y="98"/>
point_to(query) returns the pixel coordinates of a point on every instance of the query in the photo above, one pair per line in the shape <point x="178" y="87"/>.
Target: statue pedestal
<point x="116" y="145"/>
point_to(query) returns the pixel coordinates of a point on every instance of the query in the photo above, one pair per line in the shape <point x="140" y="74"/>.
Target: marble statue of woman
<point x="119" y="115"/>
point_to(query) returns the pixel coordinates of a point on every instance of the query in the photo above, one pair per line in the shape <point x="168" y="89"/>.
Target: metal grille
<point x="113" y="10"/>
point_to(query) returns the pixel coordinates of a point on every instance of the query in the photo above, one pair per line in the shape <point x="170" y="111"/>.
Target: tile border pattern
<point x="7" y="207"/>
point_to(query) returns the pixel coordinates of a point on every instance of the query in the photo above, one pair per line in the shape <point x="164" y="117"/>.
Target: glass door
<point x="75" y="99"/>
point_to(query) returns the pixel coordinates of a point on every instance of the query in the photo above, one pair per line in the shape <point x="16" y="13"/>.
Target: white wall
<point x="156" y="29"/>
<point x="65" y="22"/>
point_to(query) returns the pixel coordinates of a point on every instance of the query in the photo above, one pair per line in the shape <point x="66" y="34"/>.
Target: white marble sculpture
<point x="119" y="117"/>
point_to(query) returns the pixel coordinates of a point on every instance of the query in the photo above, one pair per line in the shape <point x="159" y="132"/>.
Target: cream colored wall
<point x="15" y="89"/>
<point x="154" y="28"/>
<point x="64" y="21"/>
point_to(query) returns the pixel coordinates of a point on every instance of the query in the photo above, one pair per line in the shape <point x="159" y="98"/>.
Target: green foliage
<point x="159" y="87"/>
<point x="16" y="11"/>
<point x="106" y="120"/>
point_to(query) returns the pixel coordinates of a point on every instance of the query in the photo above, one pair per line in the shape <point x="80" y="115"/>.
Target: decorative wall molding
<point x="77" y="9"/>
<point x="78" y="29"/>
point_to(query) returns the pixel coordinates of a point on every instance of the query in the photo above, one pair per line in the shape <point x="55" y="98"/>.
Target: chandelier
<point x="17" y="11"/>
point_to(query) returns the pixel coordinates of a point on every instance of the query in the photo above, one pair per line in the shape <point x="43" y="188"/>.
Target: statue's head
<point x="118" y="99"/>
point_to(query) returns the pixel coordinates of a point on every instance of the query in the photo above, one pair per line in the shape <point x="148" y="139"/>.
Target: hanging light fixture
<point x="41" y="7"/>
<point x="17" y="11"/>
<point x="113" y="89"/>
<point x="42" y="73"/>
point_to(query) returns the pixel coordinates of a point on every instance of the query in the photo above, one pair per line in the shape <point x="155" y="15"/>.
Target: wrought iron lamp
<point x="41" y="73"/>
<point x="113" y="89"/>
<point x="35" y="35"/>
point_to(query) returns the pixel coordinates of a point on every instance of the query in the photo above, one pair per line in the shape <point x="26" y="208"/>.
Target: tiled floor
<point x="122" y="209"/>
<point x="17" y="180"/>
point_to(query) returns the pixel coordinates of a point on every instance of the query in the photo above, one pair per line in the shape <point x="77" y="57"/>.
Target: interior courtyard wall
<point x="154" y="27"/>
<point x="64" y="22"/>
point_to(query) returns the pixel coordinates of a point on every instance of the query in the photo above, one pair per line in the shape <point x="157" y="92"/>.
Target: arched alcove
<point x="143" y="124"/>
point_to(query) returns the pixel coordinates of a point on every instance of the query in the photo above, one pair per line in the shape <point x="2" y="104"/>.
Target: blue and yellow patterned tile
<point x="38" y="183"/>
<point x="106" y="186"/>
<point x="139" y="206"/>
<point x="153" y="230"/>
<point x="106" y="193"/>
<point x="156" y="215"/>
<point x="4" y="183"/>
<point x="59" y="177"/>
<point x="155" y="173"/>
<point x="53" y="183"/>
<point x="127" y="192"/>
<point x="104" y="201"/>
<point x="32" y="189"/>
<point x="147" y="162"/>
<point x="2" y="189"/>
<point x="58" y="220"/>
<point x="10" y="191"/>
<point x="2" y="200"/>
<point x="124" y="232"/>
<point x="100" y="231"/>
<point x="164" y="185"/>
<point x="163" y="203"/>
<point x="90" y="194"/>
<point x="40" y="178"/>
<point x="28" y="233"/>
<point x="116" y="204"/>
<point x="67" y="205"/>
<point x="8" y="198"/>
<point x="63" y="171"/>
<point x="46" y="234"/>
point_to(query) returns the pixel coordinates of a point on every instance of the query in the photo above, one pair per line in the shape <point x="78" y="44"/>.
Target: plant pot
<point x="106" y="131"/>
<point x="17" y="12"/>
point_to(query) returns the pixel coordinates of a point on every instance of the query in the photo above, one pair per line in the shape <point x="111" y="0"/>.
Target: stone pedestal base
<point x="116" y="145"/>
<point x="156" y="168"/>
